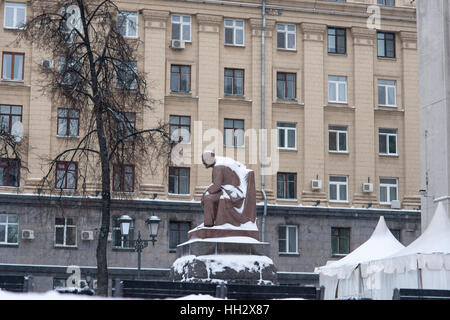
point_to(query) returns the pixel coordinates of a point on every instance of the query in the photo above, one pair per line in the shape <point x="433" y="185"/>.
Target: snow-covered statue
<point x="231" y="198"/>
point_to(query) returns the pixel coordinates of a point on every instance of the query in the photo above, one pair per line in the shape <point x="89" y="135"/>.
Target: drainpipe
<point x="263" y="117"/>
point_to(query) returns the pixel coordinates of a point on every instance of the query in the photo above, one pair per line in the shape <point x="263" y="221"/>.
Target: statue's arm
<point x="217" y="179"/>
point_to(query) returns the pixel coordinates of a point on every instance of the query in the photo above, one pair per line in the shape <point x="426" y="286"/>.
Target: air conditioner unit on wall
<point x="316" y="184"/>
<point x="47" y="64"/>
<point x="396" y="204"/>
<point x="367" y="187"/>
<point x="27" y="234"/>
<point x="177" y="44"/>
<point x="87" y="235"/>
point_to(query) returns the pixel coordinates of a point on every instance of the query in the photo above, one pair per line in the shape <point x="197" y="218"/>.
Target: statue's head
<point x="208" y="159"/>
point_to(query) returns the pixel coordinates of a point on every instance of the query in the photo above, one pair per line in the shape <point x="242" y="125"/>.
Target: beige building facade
<point x="341" y="110"/>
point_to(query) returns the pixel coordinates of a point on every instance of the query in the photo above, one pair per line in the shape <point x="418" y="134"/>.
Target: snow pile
<point x="50" y="295"/>
<point x="250" y="226"/>
<point x="224" y="239"/>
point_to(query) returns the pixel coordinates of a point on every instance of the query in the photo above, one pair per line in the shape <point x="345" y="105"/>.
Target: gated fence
<point x="166" y="289"/>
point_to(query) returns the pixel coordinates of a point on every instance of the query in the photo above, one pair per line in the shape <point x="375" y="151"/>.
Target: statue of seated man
<point x="231" y="198"/>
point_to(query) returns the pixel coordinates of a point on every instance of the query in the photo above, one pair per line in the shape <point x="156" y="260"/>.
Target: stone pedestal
<point x="238" y="260"/>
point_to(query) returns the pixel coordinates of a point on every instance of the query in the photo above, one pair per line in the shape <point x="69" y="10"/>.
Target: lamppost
<point x="139" y="244"/>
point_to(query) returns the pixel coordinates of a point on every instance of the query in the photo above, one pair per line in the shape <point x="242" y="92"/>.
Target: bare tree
<point x="95" y="75"/>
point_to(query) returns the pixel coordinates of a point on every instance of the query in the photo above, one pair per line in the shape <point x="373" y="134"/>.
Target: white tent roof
<point x="381" y="244"/>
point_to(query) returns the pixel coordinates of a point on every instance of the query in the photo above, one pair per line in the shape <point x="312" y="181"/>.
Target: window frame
<point x="66" y="171"/>
<point x="287" y="32"/>
<point x="181" y="23"/>
<point x="386" y="92"/>
<point x="178" y="175"/>
<point x="131" y="66"/>
<point x="119" y="170"/>
<point x="65" y="227"/>
<point x="385" y="41"/>
<point x="125" y="126"/>
<point x="288" y="230"/>
<point x="68" y="119"/>
<point x="338" y="184"/>
<point x="338" y="130"/>
<point x="285" y="84"/>
<point x="235" y="29"/>
<point x="340" y="238"/>
<point x="14" y="6"/>
<point x="336" y="40"/>
<point x="386" y="3"/>
<point x="127" y="23"/>
<point x="178" y="231"/>
<point x="179" y="127"/>
<point x="234" y="135"/>
<point x="13" y="58"/>
<point x="8" y="168"/>
<point x="7" y="225"/>
<point x="10" y="115"/>
<point x="282" y="126"/>
<point x="336" y="81"/>
<point x="387" y="135"/>
<point x="388" y="187"/>
<point x="286" y="182"/>
<point x="233" y="80"/>
<point x="117" y="232"/>
<point x="180" y="78"/>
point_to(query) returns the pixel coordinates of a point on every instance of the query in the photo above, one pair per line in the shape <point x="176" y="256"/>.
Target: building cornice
<point x="155" y="18"/>
<point x="313" y="31"/>
<point x="209" y="22"/>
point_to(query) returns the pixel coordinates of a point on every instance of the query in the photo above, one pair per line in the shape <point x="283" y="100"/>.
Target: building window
<point x="234" y="82"/>
<point x="123" y="178"/>
<point x="337" y="40"/>
<point x="288" y="239"/>
<point x="126" y="75"/>
<point x="387" y="142"/>
<point x="337" y="139"/>
<point x="386" y="45"/>
<point x="117" y="240"/>
<point x="397" y="234"/>
<point x="12" y="66"/>
<point x="180" y="129"/>
<point x="388" y="190"/>
<point x="340" y="241"/>
<point x="69" y="72"/>
<point x="68" y="122"/>
<point x="127" y="23"/>
<point x="178" y="232"/>
<point x="287" y="186"/>
<point x="337" y="89"/>
<point x="386" y="3"/>
<point x="234" y="133"/>
<point x="387" y="93"/>
<point x="180" y="78"/>
<point x="286" y="36"/>
<point x="234" y="32"/>
<point x="178" y="180"/>
<point x="181" y="27"/>
<point x="125" y="126"/>
<point x="65" y="232"/>
<point x="66" y="175"/>
<point x="9" y="228"/>
<point x="338" y="188"/>
<point x="9" y="172"/>
<point x="286" y="85"/>
<point x="287" y="135"/>
<point x="8" y="116"/>
<point x="15" y="14"/>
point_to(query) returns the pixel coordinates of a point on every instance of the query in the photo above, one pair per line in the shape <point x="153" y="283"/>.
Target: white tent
<point x="342" y="278"/>
<point x="424" y="264"/>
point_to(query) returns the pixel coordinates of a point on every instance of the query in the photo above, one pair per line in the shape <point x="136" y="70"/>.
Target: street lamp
<point x="139" y="244"/>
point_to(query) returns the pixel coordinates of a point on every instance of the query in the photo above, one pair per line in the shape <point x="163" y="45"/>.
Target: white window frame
<point x="285" y="129"/>
<point x="385" y="83"/>
<point x="7" y="224"/>
<point x="287" y="32"/>
<point x="181" y="23"/>
<point x="388" y="187"/>
<point x="235" y="29"/>
<point x="338" y="130"/>
<point x="289" y="229"/>
<point x="387" y="136"/>
<point x="129" y="15"/>
<point x="338" y="184"/>
<point x="336" y="82"/>
<point x="65" y="233"/>
<point x="15" y="6"/>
